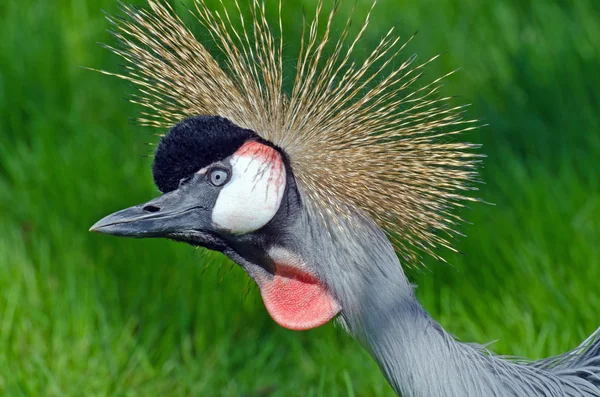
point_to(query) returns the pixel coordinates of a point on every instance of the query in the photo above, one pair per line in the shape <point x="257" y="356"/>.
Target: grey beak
<point x="170" y="214"/>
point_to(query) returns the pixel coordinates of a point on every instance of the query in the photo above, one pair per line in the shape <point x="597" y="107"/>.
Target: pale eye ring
<point x="218" y="176"/>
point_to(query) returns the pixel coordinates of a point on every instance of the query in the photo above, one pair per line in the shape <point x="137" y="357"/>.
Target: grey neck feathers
<point x="418" y="357"/>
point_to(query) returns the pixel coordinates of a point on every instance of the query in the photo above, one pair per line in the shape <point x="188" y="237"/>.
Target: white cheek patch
<point x="252" y="196"/>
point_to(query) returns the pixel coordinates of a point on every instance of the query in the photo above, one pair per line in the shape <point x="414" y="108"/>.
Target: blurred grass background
<point x="90" y="315"/>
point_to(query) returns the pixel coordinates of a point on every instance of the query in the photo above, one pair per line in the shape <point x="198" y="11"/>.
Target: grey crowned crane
<point x="318" y="191"/>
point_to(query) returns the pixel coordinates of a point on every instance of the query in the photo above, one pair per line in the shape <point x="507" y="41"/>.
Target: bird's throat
<point x="295" y="298"/>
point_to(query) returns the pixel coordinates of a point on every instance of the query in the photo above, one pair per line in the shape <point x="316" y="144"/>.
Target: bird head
<point x="227" y="189"/>
<point x="299" y="188"/>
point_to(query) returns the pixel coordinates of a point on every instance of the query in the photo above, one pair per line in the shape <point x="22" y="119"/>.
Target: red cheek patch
<point x="297" y="300"/>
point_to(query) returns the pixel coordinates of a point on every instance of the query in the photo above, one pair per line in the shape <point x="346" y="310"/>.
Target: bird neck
<point x="416" y="355"/>
<point x="379" y="308"/>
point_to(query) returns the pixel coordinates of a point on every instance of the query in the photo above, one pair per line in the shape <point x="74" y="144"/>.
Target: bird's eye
<point x="218" y="176"/>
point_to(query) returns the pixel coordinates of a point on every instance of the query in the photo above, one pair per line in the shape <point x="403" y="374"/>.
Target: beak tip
<point x="118" y="224"/>
<point x="97" y="227"/>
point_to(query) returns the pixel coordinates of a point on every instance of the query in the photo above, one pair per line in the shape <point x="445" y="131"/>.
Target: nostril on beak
<point x="151" y="208"/>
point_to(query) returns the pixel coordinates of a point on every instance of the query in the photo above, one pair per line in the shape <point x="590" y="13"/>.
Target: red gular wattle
<point x="296" y="299"/>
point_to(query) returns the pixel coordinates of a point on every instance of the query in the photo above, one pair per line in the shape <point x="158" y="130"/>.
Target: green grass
<point x="90" y="315"/>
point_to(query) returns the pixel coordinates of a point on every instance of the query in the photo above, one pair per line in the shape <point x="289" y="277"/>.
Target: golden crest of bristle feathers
<point x="357" y="135"/>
